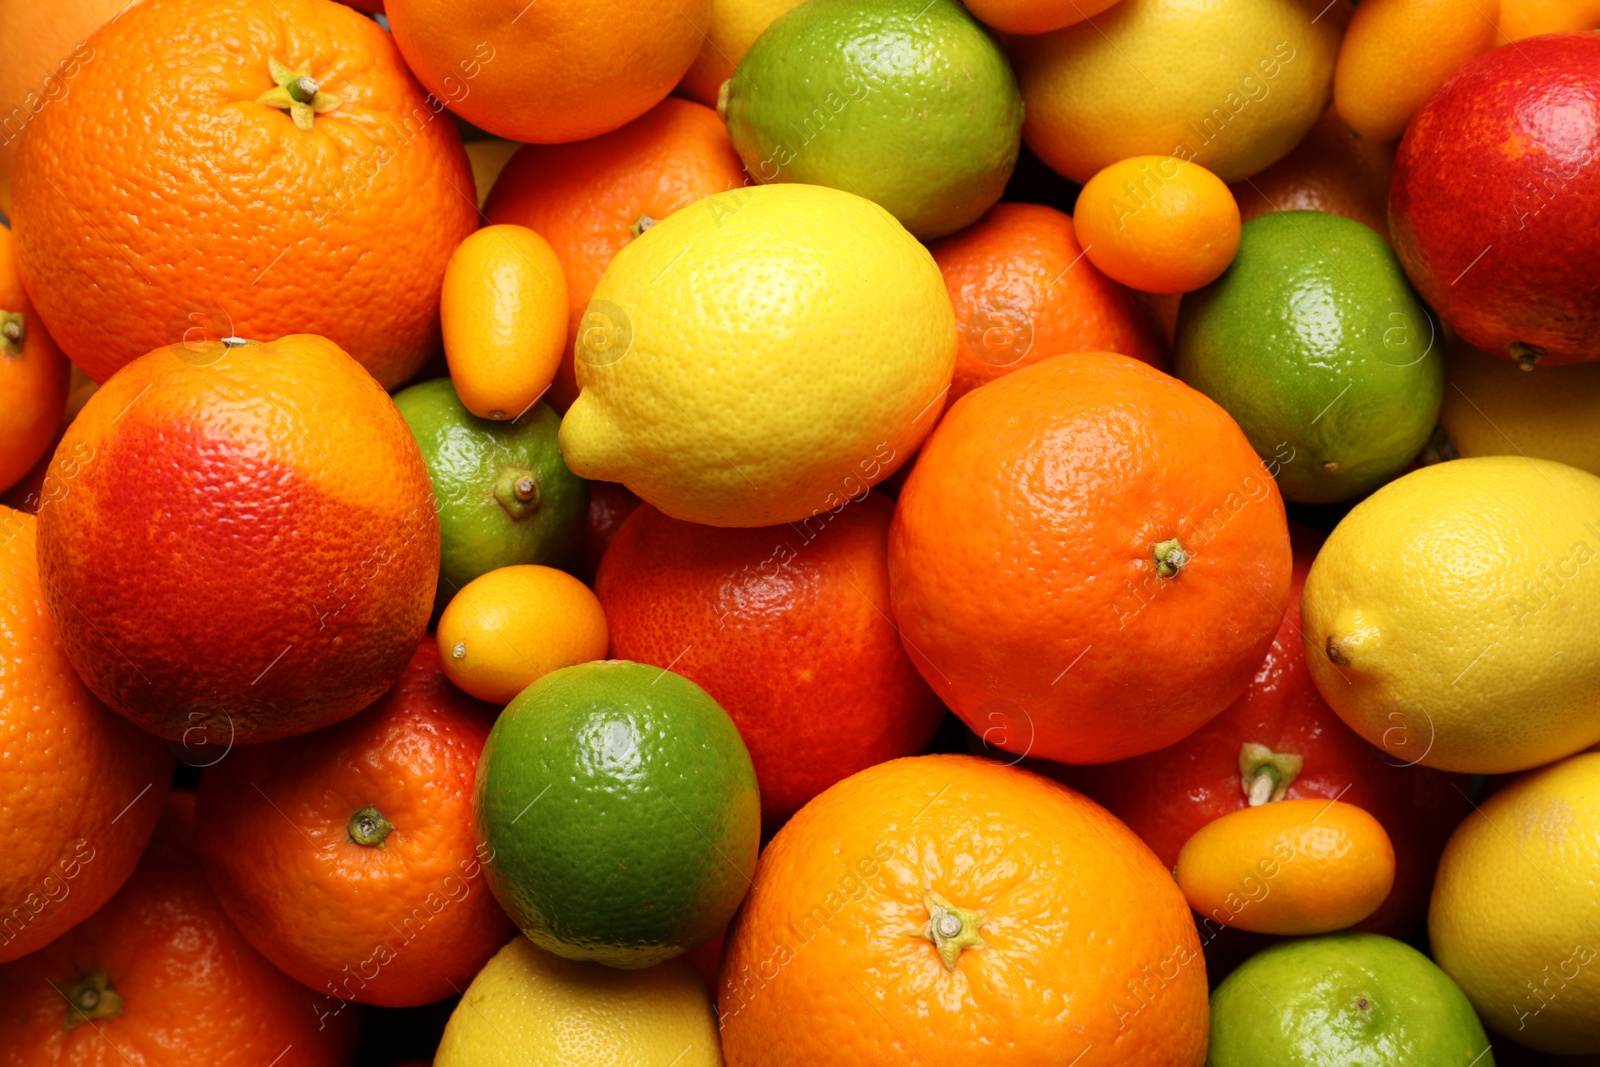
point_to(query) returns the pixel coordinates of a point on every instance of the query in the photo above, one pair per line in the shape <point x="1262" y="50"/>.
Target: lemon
<point x="734" y="27"/>
<point x="1492" y="407"/>
<point x="1453" y="617"/>
<point x="760" y="356"/>
<point x="528" y="1008"/>
<point x="1230" y="84"/>
<point x="1515" y="918"/>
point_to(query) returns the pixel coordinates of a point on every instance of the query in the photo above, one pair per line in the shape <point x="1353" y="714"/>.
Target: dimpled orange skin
<point x="193" y="990"/>
<point x="243" y="550"/>
<point x="787" y="627"/>
<point x="554" y="71"/>
<point x="402" y="924"/>
<point x="586" y="198"/>
<point x="159" y="200"/>
<point x="1293" y="867"/>
<point x="87" y="786"/>
<point x="1022" y="560"/>
<point x="1023" y="292"/>
<point x="1331" y="170"/>
<point x="1090" y="951"/>
<point x="34" y="381"/>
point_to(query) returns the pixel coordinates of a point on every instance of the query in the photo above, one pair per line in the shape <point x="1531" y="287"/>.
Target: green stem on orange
<point x="13" y="329"/>
<point x="298" y="93"/>
<point x="368" y="827"/>
<point x="1170" y="557"/>
<point x="90" y="998"/>
<point x="1266" y="775"/>
<point x="641" y="224"/>
<point x="952" y="930"/>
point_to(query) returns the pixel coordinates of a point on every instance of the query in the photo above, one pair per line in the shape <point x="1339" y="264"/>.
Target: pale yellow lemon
<point x="1492" y="407"/>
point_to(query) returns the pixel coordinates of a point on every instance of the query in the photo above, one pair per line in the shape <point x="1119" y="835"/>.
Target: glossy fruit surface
<point x="1023" y="292"/>
<point x="1343" y="998"/>
<point x="591" y="199"/>
<point x="504" y="316"/>
<point x="1053" y="473"/>
<point x="34" y="375"/>
<point x="783" y="408"/>
<point x="648" y="818"/>
<point x="788" y="628"/>
<point x="1035" y="16"/>
<point x="565" y="70"/>
<point x="512" y="626"/>
<point x="161" y="976"/>
<point x="1158" y="223"/>
<point x="194" y="609"/>
<point x="968" y="913"/>
<point x="1289" y="867"/>
<point x="909" y="103"/>
<point x="341" y="228"/>
<point x="1492" y="408"/>
<point x="529" y="1008"/>
<point x="504" y="495"/>
<point x="1233" y="89"/>
<point x="84" y="785"/>
<point x="1314" y="342"/>
<point x="347" y="858"/>
<point x="1529" y="18"/>
<point x="1448" y="618"/>
<point x="1494" y="208"/>
<point x="1514" y="908"/>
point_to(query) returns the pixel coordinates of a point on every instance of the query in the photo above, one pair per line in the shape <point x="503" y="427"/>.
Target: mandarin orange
<point x="34" y="375"/>
<point x="1332" y="170"/>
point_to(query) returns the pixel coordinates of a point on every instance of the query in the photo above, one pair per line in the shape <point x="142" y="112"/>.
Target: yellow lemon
<point x="1515" y="918"/>
<point x="1492" y="407"/>
<point x="1230" y="84"/>
<point x="512" y="626"/>
<point x="503" y="309"/>
<point x="529" y="1008"/>
<point x="1453" y="617"/>
<point x="734" y="27"/>
<point x="761" y="356"/>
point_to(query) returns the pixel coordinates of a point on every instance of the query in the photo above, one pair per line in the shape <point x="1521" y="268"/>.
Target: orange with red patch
<point x="160" y="975"/>
<point x="788" y="627"/>
<point x="348" y="858"/>
<point x="245" y="545"/>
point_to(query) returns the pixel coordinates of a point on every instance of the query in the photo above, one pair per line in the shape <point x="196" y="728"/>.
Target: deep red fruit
<point x="1495" y="202"/>
<point x="788" y="627"/>
<point x="1166" y="796"/>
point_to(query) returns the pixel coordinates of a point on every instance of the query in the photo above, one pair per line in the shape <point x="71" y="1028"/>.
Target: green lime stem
<point x="517" y="490"/>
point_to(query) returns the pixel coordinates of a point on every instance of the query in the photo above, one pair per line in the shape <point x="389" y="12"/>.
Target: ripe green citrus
<point x="622" y="809"/>
<point x="909" y="103"/>
<point x="1314" y="342"/>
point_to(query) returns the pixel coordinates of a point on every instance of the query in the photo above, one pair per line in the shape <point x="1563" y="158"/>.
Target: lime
<point x="527" y="1008"/>
<point x="505" y="497"/>
<point x="909" y="103"/>
<point x="1357" y="1000"/>
<point x="1315" y="344"/>
<point x="621" y="806"/>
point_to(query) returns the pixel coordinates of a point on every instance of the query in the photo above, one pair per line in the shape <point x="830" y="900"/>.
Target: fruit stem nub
<point x="90" y="998"/>
<point x="952" y="930"/>
<point x="13" y="328"/>
<point x="1170" y="557"/>
<point x="517" y="490"/>
<point x="368" y="827"/>
<point x="1266" y="775"/>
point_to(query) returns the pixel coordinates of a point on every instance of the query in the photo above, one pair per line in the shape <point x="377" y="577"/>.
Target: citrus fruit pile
<point x="800" y="533"/>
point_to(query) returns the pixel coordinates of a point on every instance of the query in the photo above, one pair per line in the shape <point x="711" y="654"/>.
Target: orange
<point x="1294" y="867"/>
<point x="34" y="376"/>
<point x="160" y="976"/>
<point x="163" y="199"/>
<point x="788" y="627"/>
<point x="949" y="910"/>
<point x="42" y="49"/>
<point x="1397" y="52"/>
<point x="85" y="787"/>
<point x="590" y="199"/>
<point x="504" y="311"/>
<point x="245" y="544"/>
<point x="1159" y="224"/>
<point x="347" y="857"/>
<point x="1077" y="579"/>
<point x="1528" y="18"/>
<point x="512" y="626"/>
<point x="1035" y="16"/>
<point x="552" y="71"/>
<point x="1332" y="170"/>
<point x="1023" y="291"/>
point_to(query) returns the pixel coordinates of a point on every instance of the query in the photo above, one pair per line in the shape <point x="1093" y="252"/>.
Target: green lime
<point x="621" y="807"/>
<point x="505" y="496"/>
<point x="909" y="103"/>
<point x="1314" y="342"/>
<point x="1356" y="1000"/>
